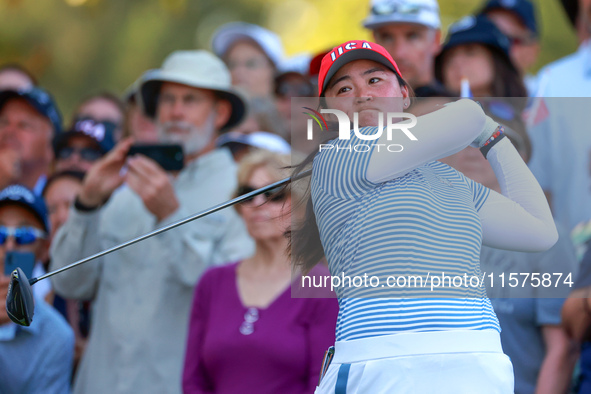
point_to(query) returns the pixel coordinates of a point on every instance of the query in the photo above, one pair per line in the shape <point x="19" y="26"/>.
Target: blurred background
<point x="77" y="47"/>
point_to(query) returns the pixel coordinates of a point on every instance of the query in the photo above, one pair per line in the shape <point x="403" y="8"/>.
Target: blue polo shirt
<point x="38" y="358"/>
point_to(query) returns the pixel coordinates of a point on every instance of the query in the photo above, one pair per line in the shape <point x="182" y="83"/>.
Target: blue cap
<point x="39" y="99"/>
<point x="20" y="195"/>
<point x="523" y="8"/>
<point x="100" y="132"/>
<point x="475" y="30"/>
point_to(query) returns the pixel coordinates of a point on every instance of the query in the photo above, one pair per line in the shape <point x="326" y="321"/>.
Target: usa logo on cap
<point x="348" y="52"/>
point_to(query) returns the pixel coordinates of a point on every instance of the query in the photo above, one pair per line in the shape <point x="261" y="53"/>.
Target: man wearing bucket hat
<point x="143" y="294"/>
<point x="29" y="119"/>
<point x="410" y="32"/>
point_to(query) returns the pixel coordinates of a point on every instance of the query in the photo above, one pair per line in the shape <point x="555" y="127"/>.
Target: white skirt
<point x="454" y="362"/>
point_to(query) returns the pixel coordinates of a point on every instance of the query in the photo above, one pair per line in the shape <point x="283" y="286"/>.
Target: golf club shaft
<point x="201" y="214"/>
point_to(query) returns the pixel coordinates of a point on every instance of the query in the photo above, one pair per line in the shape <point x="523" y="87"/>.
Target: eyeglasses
<point x="277" y="194"/>
<point x="22" y="235"/>
<point x="86" y="154"/>
<point x="393" y="7"/>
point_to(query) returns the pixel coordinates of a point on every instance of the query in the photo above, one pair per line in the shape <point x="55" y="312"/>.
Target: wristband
<point x="498" y="135"/>
<point x="84" y="208"/>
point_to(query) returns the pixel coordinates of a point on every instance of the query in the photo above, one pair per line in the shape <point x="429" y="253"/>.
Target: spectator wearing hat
<point x="517" y="20"/>
<point x="49" y="342"/>
<point x="478" y="52"/>
<point x="142" y="294"/>
<point x="410" y="30"/>
<point x="13" y="76"/>
<point x="86" y="142"/>
<point x="558" y="123"/>
<point x="29" y="119"/>
<point x="102" y="107"/>
<point x="253" y="55"/>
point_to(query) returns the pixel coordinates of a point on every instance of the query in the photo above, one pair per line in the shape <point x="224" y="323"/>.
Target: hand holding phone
<point x="169" y="157"/>
<point x="24" y="260"/>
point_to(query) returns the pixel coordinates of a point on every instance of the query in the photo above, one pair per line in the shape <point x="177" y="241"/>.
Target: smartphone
<point x="169" y="157"/>
<point x="24" y="260"/>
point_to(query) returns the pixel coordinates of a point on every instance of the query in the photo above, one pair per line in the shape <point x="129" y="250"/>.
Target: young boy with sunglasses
<point x="37" y="358"/>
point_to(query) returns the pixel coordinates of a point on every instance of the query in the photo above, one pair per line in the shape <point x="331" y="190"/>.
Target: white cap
<point x="299" y="63"/>
<point x="422" y="12"/>
<point x="257" y="139"/>
<point x="228" y="34"/>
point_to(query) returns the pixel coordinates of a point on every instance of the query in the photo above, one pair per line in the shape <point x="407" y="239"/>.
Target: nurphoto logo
<point x="346" y="126"/>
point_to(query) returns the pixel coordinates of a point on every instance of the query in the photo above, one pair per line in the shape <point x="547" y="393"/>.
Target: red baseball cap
<point x="348" y="52"/>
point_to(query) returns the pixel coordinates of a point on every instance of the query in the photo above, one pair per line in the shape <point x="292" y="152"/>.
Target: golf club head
<point x="20" y="304"/>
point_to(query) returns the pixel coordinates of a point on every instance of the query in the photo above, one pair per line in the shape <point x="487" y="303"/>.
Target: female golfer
<point x="397" y="214"/>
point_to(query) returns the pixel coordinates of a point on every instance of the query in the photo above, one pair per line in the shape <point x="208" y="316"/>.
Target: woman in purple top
<point x="247" y="334"/>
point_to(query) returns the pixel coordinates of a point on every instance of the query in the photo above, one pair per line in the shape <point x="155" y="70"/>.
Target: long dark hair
<point x="507" y="82"/>
<point x="305" y="245"/>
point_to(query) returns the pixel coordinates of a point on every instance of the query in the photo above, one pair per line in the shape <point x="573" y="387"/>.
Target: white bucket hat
<point x="421" y="12"/>
<point x="226" y="35"/>
<point x="198" y="69"/>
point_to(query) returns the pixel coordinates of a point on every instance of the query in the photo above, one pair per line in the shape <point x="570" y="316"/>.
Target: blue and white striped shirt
<point x="420" y="225"/>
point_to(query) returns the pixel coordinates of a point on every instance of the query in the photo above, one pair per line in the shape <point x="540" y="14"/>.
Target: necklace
<point x="251" y="316"/>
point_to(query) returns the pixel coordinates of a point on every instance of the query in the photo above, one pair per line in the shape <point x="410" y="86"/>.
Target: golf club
<point x="20" y="304"/>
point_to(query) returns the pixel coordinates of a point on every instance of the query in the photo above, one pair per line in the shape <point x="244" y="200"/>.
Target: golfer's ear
<point x="404" y="91"/>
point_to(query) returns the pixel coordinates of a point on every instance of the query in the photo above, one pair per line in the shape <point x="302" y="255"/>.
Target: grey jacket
<point x="142" y="294"/>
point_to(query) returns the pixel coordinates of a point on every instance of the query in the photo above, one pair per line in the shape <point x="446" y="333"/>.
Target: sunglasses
<point x="274" y="195"/>
<point x="22" y="235"/>
<point x="86" y="154"/>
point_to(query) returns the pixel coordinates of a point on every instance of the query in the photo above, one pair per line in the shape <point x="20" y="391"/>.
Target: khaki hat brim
<point x="150" y="89"/>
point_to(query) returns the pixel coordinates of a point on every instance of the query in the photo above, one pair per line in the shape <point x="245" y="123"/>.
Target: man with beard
<point x="559" y="121"/>
<point x="410" y="30"/>
<point x="143" y="293"/>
